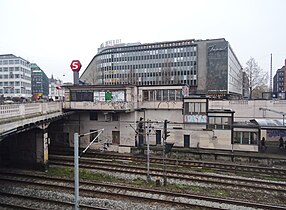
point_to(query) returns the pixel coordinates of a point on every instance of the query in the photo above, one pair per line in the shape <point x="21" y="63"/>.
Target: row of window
<point x="223" y="123"/>
<point x="113" y="74"/>
<point x="162" y="95"/>
<point x="197" y="108"/>
<point x="148" y="57"/>
<point x="11" y="76"/>
<point x="12" y="62"/>
<point x="158" y="46"/>
<point x="15" y="83"/>
<point x="11" y="84"/>
<point x="11" y="69"/>
<point x="12" y="91"/>
<point x="144" y="82"/>
<point x="148" y="66"/>
<point x="244" y="137"/>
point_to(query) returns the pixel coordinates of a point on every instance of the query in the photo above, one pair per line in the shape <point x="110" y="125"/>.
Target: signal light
<point x="166" y="132"/>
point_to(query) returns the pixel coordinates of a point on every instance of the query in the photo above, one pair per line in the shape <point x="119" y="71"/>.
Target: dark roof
<point x="220" y="111"/>
<point x="74" y="87"/>
<point x="245" y="125"/>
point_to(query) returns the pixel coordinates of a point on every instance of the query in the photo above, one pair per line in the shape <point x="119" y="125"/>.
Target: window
<point x="195" y="108"/>
<point x="115" y="137"/>
<point x="115" y="117"/>
<point x="159" y="95"/>
<point x="165" y="95"/>
<point x="218" y="122"/>
<point x="245" y="137"/>
<point x="172" y="95"/>
<point x="145" y="95"/>
<point x="93" y="116"/>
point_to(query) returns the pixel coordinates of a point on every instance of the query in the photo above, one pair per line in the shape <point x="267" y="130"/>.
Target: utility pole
<point x="270" y="89"/>
<point x="148" y="150"/>
<point x="76" y="173"/>
<point x="165" y="136"/>
<point x="76" y="165"/>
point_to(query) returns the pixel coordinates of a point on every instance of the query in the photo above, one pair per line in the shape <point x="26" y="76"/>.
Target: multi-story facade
<point x="206" y="66"/>
<point x="40" y="83"/>
<point x="55" y="90"/>
<point x="15" y="77"/>
<point x="245" y="85"/>
<point x="193" y="121"/>
<point x="279" y="84"/>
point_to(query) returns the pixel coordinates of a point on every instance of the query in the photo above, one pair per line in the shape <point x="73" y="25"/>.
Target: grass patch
<point x="206" y="170"/>
<point x="139" y="182"/>
<point x="64" y="172"/>
<point x="218" y="192"/>
<point x="68" y="172"/>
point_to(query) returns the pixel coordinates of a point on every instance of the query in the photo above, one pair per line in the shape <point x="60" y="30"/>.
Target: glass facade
<point x="206" y="66"/>
<point x="40" y="82"/>
<point x="148" y="64"/>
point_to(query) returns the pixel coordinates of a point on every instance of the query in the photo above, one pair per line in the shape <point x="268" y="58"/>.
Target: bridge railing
<point x="14" y="110"/>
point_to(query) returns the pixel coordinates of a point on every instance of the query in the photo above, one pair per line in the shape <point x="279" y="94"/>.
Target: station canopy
<point x="270" y="123"/>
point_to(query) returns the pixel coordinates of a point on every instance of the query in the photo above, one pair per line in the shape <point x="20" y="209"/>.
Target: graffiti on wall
<point x="196" y="118"/>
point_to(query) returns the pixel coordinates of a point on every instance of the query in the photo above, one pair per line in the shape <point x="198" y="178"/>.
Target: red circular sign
<point x="75" y="65"/>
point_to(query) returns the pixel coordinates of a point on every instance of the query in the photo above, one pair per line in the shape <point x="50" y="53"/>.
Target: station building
<point x="207" y="66"/>
<point x="118" y="109"/>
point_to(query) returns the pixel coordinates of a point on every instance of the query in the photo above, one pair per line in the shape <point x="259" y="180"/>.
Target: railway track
<point x="18" y="201"/>
<point x="88" y="188"/>
<point x="246" y="170"/>
<point x="91" y="163"/>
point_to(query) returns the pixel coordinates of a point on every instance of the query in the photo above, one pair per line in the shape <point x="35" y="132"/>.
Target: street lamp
<point x="76" y="165"/>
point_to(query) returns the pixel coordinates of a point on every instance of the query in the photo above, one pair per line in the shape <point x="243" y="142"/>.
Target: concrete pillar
<point x="42" y="149"/>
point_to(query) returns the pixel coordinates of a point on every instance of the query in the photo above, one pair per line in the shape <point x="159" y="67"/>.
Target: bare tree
<point x="256" y="75"/>
<point x="258" y="90"/>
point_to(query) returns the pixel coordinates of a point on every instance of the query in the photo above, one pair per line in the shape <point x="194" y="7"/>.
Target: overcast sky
<point x="52" y="33"/>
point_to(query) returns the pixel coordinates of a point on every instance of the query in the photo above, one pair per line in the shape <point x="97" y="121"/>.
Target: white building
<point x="15" y="77"/>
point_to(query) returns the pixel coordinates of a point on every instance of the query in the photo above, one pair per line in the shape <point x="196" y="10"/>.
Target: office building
<point x="40" y="83"/>
<point x="279" y="84"/>
<point x="206" y="66"/>
<point x="15" y="77"/>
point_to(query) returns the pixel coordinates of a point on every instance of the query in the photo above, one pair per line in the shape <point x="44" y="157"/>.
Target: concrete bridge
<point x="24" y="134"/>
<point x="17" y="117"/>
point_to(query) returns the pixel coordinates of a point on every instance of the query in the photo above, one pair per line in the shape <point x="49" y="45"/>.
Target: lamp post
<point x="76" y="165"/>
